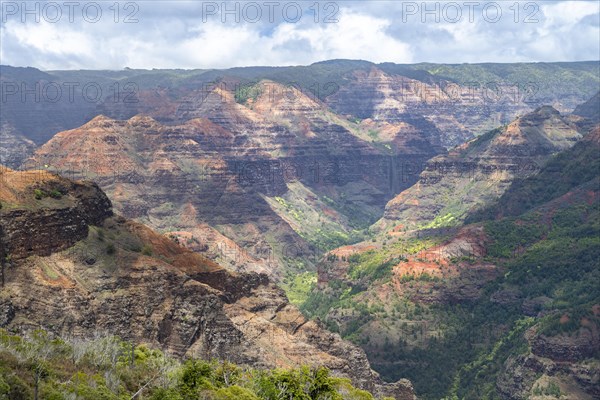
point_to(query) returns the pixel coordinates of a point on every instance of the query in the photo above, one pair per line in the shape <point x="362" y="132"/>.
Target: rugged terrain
<point x="442" y="217"/>
<point x="72" y="267"/>
<point x="279" y="175"/>
<point x="473" y="175"/>
<point x="454" y="102"/>
<point x="445" y="302"/>
<point x="278" y="165"/>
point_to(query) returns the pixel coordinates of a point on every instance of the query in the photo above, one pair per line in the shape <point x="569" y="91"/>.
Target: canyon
<point x="436" y="223"/>
<point x="93" y="271"/>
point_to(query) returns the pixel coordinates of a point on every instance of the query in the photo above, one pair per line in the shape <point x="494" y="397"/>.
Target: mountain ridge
<point x="121" y="276"/>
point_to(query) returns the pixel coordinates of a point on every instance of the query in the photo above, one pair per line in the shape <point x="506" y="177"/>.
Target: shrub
<point x="196" y="376"/>
<point x="110" y="249"/>
<point x="55" y="194"/>
<point x="234" y="393"/>
<point x="147" y="250"/>
<point x="39" y="194"/>
<point x="101" y="370"/>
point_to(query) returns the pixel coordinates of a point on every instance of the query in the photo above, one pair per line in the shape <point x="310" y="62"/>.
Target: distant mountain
<point x="456" y="100"/>
<point x="590" y="109"/>
<point x="478" y="172"/>
<point x="273" y="170"/>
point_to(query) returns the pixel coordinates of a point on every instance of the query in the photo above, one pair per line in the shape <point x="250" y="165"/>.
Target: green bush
<point x="39" y="194"/>
<point x="235" y="393"/>
<point x="104" y="371"/>
<point x="147" y="250"/>
<point x="55" y="194"/>
<point x="110" y="249"/>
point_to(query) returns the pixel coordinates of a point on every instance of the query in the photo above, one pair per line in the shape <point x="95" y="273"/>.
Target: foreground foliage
<point x="106" y="368"/>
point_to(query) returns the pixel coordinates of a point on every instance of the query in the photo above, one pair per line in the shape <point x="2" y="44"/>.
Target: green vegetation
<point x="298" y="286"/>
<point x="248" y="91"/>
<point x="49" y="272"/>
<point x="423" y="277"/>
<point x="108" y="368"/>
<point x="40" y="194"/>
<point x="566" y="170"/>
<point x="298" y="215"/>
<point x="477" y="144"/>
<point x="147" y="250"/>
<point x="441" y="221"/>
<point x="477" y="379"/>
<point x="325" y="78"/>
<point x="350" y="297"/>
<point x="510" y="235"/>
<point x="371" y="265"/>
<point x="312" y="217"/>
<point x="110" y="249"/>
<point x="544" y="237"/>
<point x="551" y="390"/>
<point x="555" y="257"/>
<point x="535" y="80"/>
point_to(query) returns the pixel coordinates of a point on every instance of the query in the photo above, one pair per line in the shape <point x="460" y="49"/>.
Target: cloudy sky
<point x="206" y="34"/>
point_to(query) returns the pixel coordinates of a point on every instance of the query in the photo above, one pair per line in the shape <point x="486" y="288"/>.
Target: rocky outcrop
<point x="57" y="215"/>
<point x="562" y="348"/>
<point x="565" y="360"/>
<point x="590" y="109"/>
<point x="14" y="148"/>
<point x="479" y="172"/>
<point x="121" y="277"/>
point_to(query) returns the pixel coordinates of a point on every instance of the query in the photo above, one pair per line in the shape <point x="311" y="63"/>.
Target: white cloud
<point x="217" y="45"/>
<point x="355" y="36"/>
<point x="174" y="35"/>
<point x="51" y="39"/>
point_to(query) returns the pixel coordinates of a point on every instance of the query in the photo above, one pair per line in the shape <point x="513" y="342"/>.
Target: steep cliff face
<point x="252" y="167"/>
<point x="14" y="148"/>
<point x="558" y="366"/>
<point x="449" y="113"/>
<point x="42" y="213"/>
<point x="590" y="109"/>
<point x="478" y="172"/>
<point x="167" y="176"/>
<point x="438" y="300"/>
<point x="113" y="275"/>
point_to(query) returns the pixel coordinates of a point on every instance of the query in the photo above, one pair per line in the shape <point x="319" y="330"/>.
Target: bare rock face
<point x="273" y="323"/>
<point x="220" y="167"/>
<point x="171" y="177"/>
<point x="478" y="172"/>
<point x="567" y="348"/>
<point x="563" y="360"/>
<point x="94" y="272"/>
<point x="590" y="109"/>
<point x="450" y="113"/>
<point x="14" y="147"/>
<point x="57" y="215"/>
